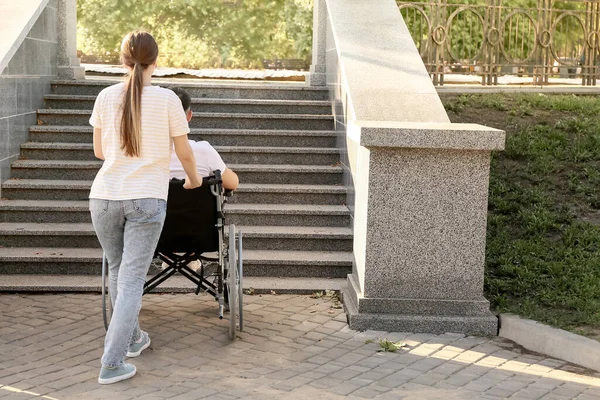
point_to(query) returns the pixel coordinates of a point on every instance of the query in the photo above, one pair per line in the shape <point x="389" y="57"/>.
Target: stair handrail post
<point x="69" y="66"/>
<point x="318" y="67"/>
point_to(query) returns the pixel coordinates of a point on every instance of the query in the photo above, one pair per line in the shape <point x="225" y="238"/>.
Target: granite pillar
<point x="317" y="75"/>
<point x="68" y="63"/>
<point x="425" y="213"/>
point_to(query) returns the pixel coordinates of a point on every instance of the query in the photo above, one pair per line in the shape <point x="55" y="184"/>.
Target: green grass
<point x="543" y="240"/>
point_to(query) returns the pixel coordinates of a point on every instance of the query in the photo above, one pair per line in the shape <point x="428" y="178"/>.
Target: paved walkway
<point x="293" y="347"/>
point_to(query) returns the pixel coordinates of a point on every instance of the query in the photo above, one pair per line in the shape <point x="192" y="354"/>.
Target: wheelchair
<point x="194" y="230"/>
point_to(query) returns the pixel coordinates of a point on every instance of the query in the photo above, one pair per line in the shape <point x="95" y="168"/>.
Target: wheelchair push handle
<point x="215" y="179"/>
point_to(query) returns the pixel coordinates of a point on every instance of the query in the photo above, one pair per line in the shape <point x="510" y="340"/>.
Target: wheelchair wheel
<point x="240" y="274"/>
<point x="106" y="303"/>
<point x="232" y="284"/>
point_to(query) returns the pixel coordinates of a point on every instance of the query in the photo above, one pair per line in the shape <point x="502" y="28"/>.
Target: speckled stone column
<point x="317" y="75"/>
<point x="68" y="63"/>
<point x="425" y="234"/>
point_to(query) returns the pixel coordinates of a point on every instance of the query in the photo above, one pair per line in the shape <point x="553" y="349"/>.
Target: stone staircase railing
<point x="417" y="184"/>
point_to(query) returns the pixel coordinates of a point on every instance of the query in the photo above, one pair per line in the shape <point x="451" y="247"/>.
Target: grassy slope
<point x="543" y="244"/>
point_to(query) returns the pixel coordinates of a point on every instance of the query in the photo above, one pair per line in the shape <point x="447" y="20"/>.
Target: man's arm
<point x="230" y="179"/>
<point x="213" y="161"/>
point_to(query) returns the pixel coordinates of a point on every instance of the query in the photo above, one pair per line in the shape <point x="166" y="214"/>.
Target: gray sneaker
<point x="116" y="374"/>
<point x="136" y="348"/>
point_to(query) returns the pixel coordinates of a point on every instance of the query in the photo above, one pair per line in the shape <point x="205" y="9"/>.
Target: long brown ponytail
<point x="138" y="51"/>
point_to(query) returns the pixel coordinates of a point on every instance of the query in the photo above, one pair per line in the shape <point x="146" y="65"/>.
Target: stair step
<point x="291" y="91"/>
<point x="82" y="235"/>
<point x="208" y="120"/>
<point x="279" y="138"/>
<point x="33" y="189"/>
<point x="248" y="173"/>
<point x="88" y="261"/>
<point x="65" y="211"/>
<point x="217" y="137"/>
<point x="260" y="106"/>
<point x="230" y="154"/>
<point x="175" y="284"/>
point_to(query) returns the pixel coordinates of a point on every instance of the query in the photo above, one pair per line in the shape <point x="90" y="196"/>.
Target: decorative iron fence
<point x="490" y="39"/>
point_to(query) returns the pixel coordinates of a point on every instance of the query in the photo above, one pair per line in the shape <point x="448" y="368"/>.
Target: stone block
<point x="8" y="97"/>
<point x="338" y="111"/>
<point x="17" y="64"/>
<point x="19" y="130"/>
<point x="39" y="87"/>
<point x="35" y="57"/>
<point x="38" y="30"/>
<point x="70" y="72"/>
<point x="53" y="61"/>
<point x="4" y="137"/>
<point x="51" y="20"/>
<point x="420" y="224"/>
<point x="484" y="325"/>
<point x="36" y="65"/>
<point x="5" y="170"/>
<point x="319" y="41"/>
<point x="348" y="180"/>
<point x="446" y="136"/>
<point x="23" y="91"/>
<point x="426" y="223"/>
<point x="315" y="79"/>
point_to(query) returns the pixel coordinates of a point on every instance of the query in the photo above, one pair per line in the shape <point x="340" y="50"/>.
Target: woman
<point x="134" y="126"/>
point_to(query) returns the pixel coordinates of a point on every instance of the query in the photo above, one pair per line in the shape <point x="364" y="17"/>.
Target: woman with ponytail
<point x="135" y="127"/>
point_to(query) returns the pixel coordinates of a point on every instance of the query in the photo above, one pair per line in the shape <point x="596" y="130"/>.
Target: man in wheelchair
<point x="207" y="158"/>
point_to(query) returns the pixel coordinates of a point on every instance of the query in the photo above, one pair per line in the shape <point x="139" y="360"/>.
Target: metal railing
<point x="490" y="39"/>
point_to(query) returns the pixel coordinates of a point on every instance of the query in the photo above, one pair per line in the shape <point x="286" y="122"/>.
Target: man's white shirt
<point x="207" y="160"/>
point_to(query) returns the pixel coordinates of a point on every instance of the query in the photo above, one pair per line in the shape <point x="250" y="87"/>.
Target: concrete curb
<point x="554" y="342"/>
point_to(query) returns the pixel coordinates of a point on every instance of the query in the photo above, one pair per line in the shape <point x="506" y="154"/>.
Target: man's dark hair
<point x="186" y="100"/>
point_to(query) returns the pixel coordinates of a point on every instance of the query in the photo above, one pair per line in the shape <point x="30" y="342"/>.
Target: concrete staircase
<point x="280" y="140"/>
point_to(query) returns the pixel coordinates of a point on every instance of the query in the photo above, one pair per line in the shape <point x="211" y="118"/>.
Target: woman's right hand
<point x="191" y="184"/>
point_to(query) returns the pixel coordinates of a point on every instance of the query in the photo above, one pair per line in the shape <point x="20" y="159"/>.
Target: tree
<point x="200" y="33"/>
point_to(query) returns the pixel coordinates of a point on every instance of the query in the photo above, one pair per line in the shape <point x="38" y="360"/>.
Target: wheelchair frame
<point x="227" y="285"/>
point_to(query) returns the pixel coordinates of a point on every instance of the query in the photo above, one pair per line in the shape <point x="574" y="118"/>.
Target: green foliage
<point x="543" y="240"/>
<point x="386" y="345"/>
<point x="201" y="33"/>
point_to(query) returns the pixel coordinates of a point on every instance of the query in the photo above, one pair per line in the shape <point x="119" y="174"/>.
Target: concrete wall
<point x="24" y="81"/>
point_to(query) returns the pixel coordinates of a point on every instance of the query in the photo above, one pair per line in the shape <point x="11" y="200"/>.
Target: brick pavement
<point x="293" y="347"/>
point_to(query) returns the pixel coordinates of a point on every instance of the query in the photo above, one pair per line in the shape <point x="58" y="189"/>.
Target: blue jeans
<point x="128" y="231"/>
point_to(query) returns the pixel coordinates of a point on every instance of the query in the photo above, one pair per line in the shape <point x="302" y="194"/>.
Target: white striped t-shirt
<point x="147" y="176"/>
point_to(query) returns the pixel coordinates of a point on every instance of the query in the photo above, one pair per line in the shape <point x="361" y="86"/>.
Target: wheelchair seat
<point x="191" y="221"/>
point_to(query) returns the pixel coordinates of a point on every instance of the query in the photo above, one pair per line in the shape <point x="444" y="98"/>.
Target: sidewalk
<point x="292" y="347"/>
